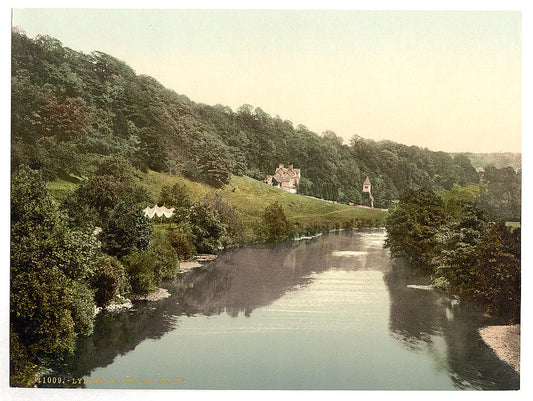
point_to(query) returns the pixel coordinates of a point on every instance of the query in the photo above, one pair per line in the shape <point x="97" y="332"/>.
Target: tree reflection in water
<point x="447" y="329"/>
<point x="243" y="280"/>
<point x="238" y="281"/>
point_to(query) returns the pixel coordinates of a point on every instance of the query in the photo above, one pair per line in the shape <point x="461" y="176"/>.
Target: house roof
<point x="367" y="181"/>
<point x="284" y="174"/>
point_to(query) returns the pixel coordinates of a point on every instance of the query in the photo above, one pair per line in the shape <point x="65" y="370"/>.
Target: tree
<point x="502" y="198"/>
<point x="228" y="216"/>
<point x="182" y="244"/>
<point x="206" y="227"/>
<point x="166" y="259"/>
<point x="412" y="227"/>
<point x="276" y="223"/>
<point x="117" y="166"/>
<point x="108" y="280"/>
<point x="496" y="271"/>
<point x="93" y="202"/>
<point x="176" y="196"/>
<point x="48" y="301"/>
<point x="140" y="268"/>
<point x="466" y="173"/>
<point x="126" y="231"/>
<point x="459" y="240"/>
<point x="65" y="118"/>
<point x="101" y="193"/>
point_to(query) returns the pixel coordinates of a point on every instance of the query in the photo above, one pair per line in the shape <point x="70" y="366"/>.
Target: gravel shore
<point x="505" y="342"/>
<point x="160" y="293"/>
<point x="188" y="266"/>
<point x="200" y="261"/>
<point x="114" y="306"/>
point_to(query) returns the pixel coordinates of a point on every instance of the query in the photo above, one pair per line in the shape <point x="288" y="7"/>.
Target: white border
<point x="134" y="395"/>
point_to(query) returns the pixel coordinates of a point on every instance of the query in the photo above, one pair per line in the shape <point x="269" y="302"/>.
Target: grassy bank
<point x="250" y="198"/>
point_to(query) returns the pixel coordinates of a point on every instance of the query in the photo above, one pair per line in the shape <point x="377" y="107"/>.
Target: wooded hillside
<point x="69" y="109"/>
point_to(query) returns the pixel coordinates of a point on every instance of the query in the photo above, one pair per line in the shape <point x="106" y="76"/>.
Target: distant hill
<point x="498" y="160"/>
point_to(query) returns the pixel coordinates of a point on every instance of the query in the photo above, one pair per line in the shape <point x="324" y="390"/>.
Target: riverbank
<point x="505" y="342"/>
<point x="156" y="295"/>
<point x="200" y="260"/>
<point x="118" y="305"/>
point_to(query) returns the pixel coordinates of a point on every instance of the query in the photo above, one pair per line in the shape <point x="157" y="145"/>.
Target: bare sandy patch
<point x="505" y="342"/>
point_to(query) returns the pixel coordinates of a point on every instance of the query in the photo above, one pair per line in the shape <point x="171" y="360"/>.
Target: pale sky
<point x="446" y="80"/>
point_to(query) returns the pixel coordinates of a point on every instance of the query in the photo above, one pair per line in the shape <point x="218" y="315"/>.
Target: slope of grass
<point x="251" y="197"/>
<point x="513" y="224"/>
<point x="153" y="181"/>
<point x="59" y="188"/>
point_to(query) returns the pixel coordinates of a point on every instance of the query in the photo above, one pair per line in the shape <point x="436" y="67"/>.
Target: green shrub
<point x="206" y="227"/>
<point x="176" y="196"/>
<point x="276" y="223"/>
<point x="166" y="264"/>
<point x="181" y="244"/>
<point x="141" y="271"/>
<point x="21" y="370"/>
<point x="82" y="307"/>
<point x="127" y="230"/>
<point x="117" y="166"/>
<point x="48" y="305"/>
<point x="108" y="280"/>
<point x="413" y="226"/>
<point x="228" y="216"/>
<point x="497" y="271"/>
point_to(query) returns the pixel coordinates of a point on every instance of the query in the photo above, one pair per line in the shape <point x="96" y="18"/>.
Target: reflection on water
<point x="446" y="329"/>
<point x="329" y="313"/>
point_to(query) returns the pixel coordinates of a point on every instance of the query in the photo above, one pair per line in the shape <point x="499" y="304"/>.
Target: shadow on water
<point x="238" y="281"/>
<point x="447" y="329"/>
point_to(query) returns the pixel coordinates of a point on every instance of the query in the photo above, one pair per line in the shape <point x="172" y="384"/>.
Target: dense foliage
<point x="497" y="271"/>
<point x="464" y="250"/>
<point x="501" y="199"/>
<point x="276" y="224"/>
<point x="50" y="300"/>
<point x="413" y="225"/>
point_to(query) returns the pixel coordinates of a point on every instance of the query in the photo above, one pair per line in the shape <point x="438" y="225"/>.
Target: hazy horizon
<point x="444" y="80"/>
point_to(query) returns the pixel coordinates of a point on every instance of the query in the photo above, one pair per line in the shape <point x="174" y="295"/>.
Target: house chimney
<point x="290" y="166"/>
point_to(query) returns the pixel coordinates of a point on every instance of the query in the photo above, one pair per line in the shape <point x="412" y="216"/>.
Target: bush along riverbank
<point x="466" y="253"/>
<point x="451" y="238"/>
<point x="463" y="250"/>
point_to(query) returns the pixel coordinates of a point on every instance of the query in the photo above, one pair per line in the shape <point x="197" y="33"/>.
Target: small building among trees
<point x="367" y="187"/>
<point x="287" y="178"/>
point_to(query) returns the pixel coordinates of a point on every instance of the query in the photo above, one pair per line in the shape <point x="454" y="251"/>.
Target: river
<point x="328" y="313"/>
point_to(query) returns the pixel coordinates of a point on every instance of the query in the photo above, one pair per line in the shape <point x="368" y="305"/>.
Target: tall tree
<point x="412" y="227"/>
<point x="49" y="301"/>
<point x="276" y="222"/>
<point x="497" y="271"/>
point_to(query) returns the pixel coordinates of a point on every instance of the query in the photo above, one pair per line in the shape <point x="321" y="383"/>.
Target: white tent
<point x="158" y="211"/>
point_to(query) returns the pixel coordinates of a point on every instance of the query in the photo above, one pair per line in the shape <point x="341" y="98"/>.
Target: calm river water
<point x="329" y="313"/>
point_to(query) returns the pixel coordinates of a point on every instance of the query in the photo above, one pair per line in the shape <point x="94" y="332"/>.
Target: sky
<point x="445" y="80"/>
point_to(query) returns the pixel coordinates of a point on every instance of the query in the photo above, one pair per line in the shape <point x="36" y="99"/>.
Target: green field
<point x="250" y="198"/>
